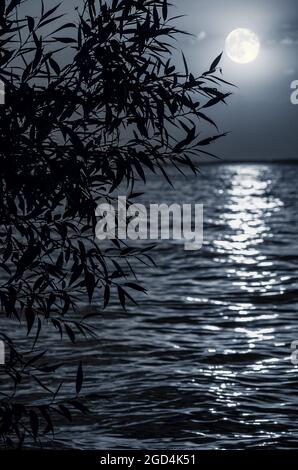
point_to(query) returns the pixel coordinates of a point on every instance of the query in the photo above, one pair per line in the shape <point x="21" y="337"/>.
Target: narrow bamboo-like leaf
<point x="79" y="379"/>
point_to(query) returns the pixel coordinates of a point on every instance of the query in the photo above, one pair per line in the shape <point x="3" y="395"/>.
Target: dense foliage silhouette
<point x="90" y="105"/>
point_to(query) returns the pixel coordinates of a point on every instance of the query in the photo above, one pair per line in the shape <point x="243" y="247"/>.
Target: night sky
<point x="260" y="116"/>
<point x="262" y="121"/>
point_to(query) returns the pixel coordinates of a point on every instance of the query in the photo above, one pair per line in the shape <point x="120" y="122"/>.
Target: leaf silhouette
<point x="34" y="423"/>
<point x="31" y="23"/>
<point x="215" y="63"/>
<point x="79" y="379"/>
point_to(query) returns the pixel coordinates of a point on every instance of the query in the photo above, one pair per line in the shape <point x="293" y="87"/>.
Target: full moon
<point x="242" y="46"/>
